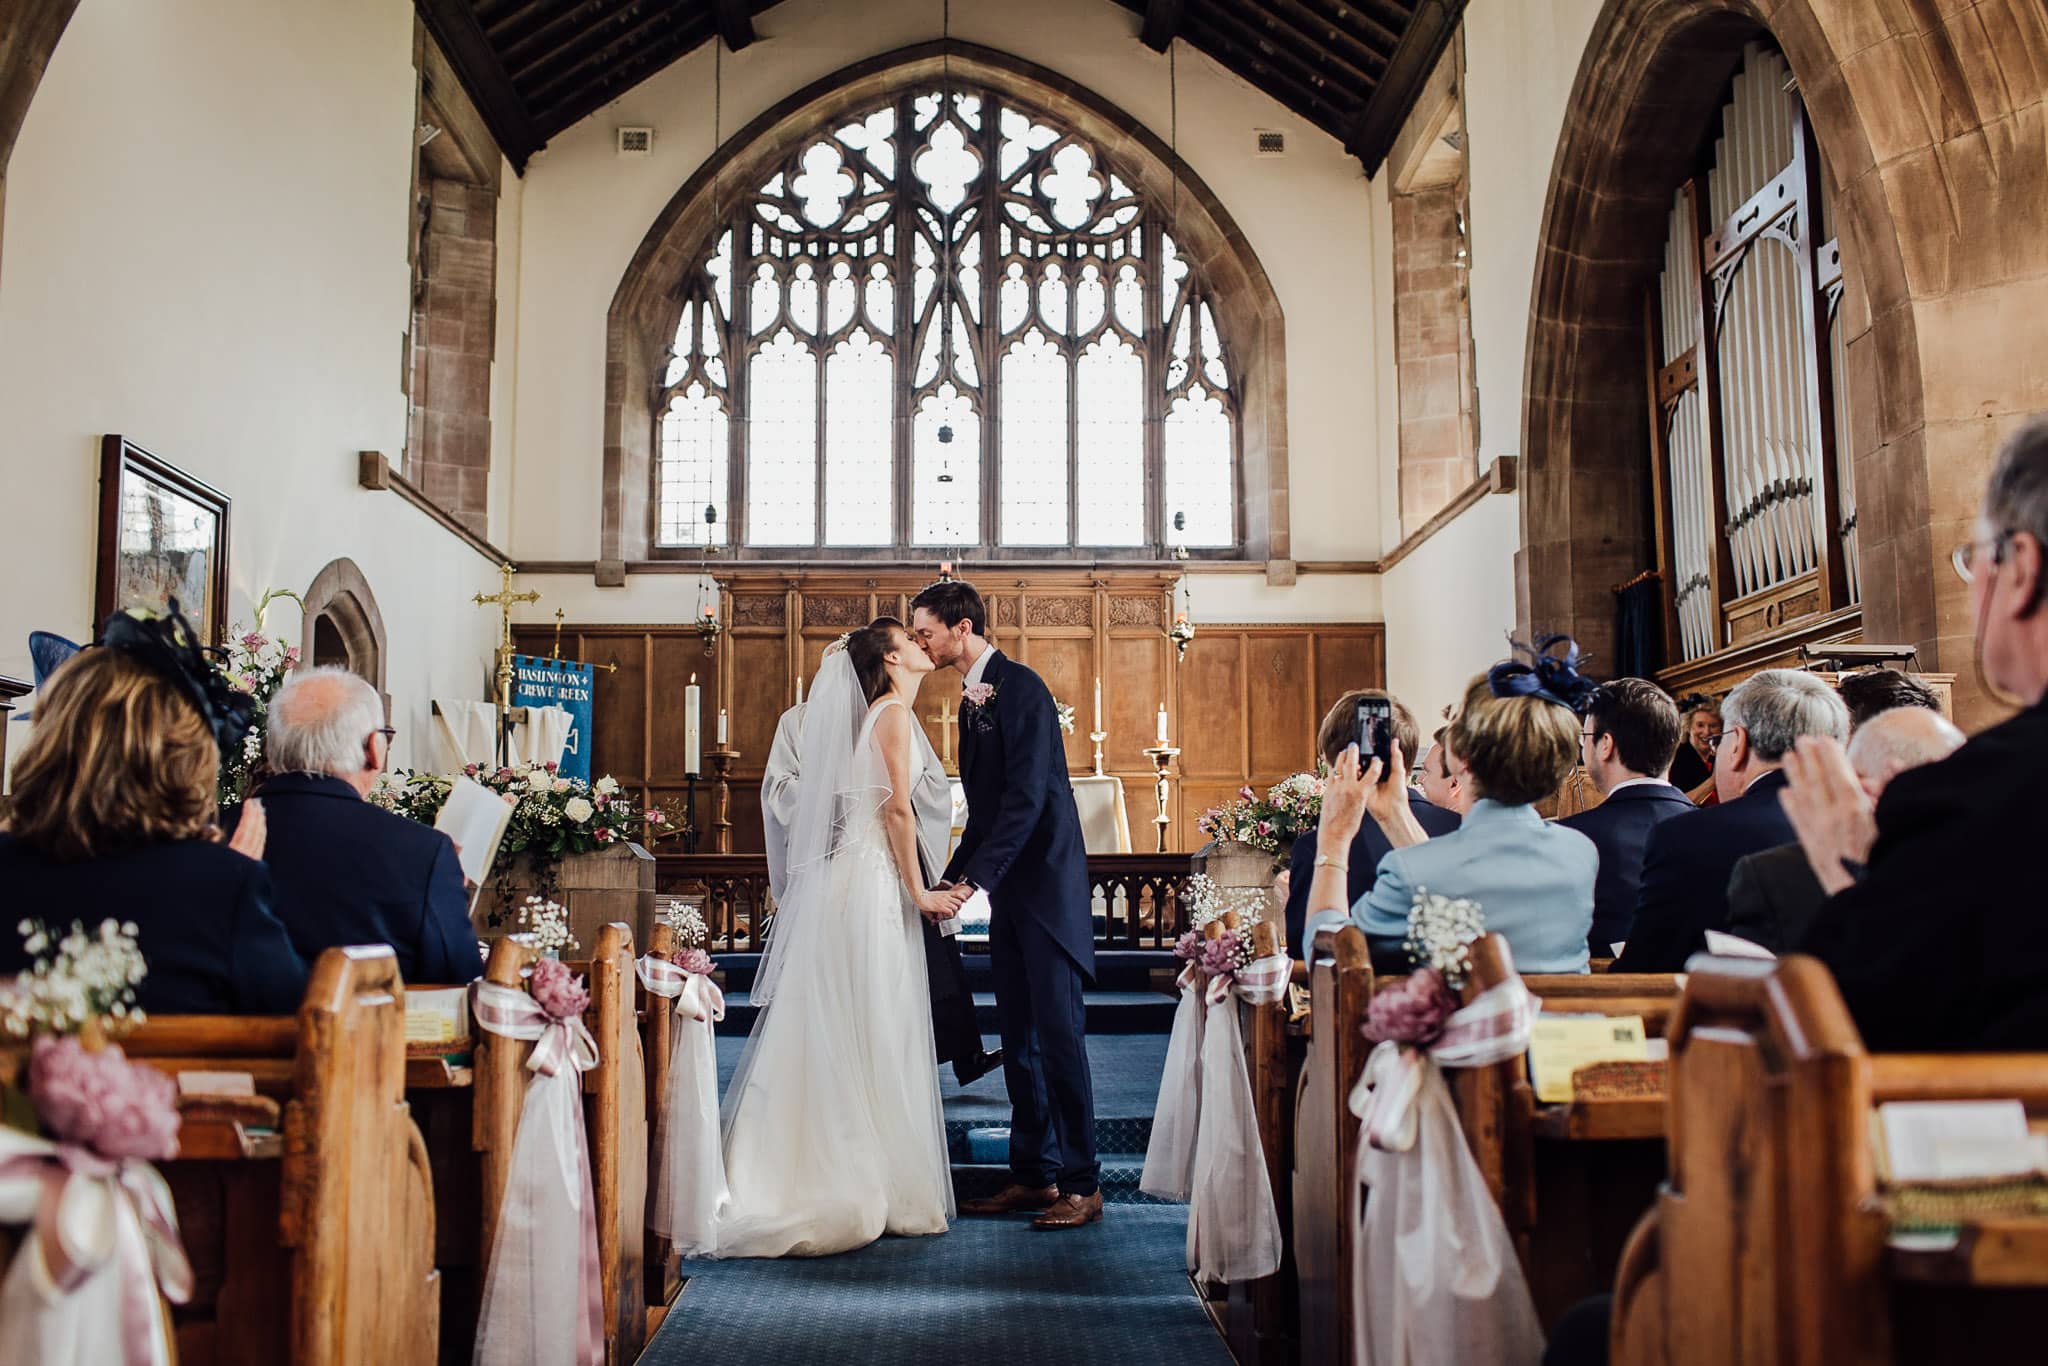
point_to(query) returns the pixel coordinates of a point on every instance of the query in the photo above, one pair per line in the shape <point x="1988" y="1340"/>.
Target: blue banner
<point x="542" y="682"/>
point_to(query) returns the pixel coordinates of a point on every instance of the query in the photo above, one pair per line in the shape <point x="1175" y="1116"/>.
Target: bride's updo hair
<point x="867" y="649"/>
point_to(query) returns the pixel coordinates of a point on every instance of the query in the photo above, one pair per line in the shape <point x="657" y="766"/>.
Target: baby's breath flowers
<point x="1440" y="933"/>
<point x="547" y="922"/>
<point x="74" y="979"/>
<point x="688" y="923"/>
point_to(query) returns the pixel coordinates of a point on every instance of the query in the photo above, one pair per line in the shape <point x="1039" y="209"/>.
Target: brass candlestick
<point x="1098" y="736"/>
<point x="721" y="799"/>
<point x="1162" y="756"/>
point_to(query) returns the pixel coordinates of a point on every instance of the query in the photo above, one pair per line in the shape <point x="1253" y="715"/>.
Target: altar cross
<point x="504" y="599"/>
<point x="946" y="720"/>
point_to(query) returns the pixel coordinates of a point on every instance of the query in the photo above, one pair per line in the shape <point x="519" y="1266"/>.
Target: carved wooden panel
<point x="761" y="688"/>
<point x="759" y="609"/>
<point x="1209" y="724"/>
<point x="675" y="659"/>
<point x="1346" y="660"/>
<point x="1280" y="726"/>
<point x="846" y="610"/>
<point x="1146" y="611"/>
<point x="1059" y="611"/>
<point x="619" y="712"/>
<point x="1002" y="611"/>
<point x="1068" y="668"/>
<point x="1135" y="680"/>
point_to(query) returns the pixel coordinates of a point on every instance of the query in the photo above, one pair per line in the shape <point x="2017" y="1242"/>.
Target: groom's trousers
<point x="1043" y="1016"/>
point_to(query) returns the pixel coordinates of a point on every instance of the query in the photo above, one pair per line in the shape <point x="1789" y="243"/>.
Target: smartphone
<point x="1376" y="733"/>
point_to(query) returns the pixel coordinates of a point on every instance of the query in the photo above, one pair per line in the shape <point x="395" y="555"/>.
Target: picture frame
<point x="162" y="533"/>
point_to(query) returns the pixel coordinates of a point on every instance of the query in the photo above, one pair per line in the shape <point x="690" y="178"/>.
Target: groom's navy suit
<point x="1023" y="846"/>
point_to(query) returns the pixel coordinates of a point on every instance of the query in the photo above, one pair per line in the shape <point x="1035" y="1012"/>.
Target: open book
<point x="475" y="818"/>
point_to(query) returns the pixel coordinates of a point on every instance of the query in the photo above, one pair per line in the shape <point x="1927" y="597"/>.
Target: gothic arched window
<point x="946" y="323"/>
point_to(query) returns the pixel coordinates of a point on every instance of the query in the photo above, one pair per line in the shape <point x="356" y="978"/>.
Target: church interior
<point x="1620" y="420"/>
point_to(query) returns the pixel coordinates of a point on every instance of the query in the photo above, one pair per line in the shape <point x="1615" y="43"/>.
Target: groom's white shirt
<point x="978" y="668"/>
<point x="931" y="795"/>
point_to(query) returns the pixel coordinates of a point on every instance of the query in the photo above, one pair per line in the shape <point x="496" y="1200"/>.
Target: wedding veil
<point x="841" y="784"/>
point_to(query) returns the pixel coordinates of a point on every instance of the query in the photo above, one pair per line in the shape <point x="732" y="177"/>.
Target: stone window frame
<point x="341" y="593"/>
<point x="647" y="305"/>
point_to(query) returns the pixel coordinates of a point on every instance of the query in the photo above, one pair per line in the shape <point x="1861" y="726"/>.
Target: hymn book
<point x="1955" y="1140"/>
<point x="475" y="818"/>
<point x="1560" y="1044"/>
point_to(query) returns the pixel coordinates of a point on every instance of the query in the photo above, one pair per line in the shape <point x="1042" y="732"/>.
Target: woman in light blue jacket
<point x="1533" y="880"/>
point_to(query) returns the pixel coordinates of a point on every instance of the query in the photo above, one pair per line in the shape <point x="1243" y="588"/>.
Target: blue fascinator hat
<point x="1548" y="670"/>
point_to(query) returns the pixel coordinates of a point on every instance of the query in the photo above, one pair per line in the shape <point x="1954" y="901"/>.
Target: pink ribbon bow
<point x="95" y="1216"/>
<point x="696" y="996"/>
<point x="1493" y="1028"/>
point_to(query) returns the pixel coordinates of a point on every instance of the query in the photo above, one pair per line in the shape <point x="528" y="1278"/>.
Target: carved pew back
<point x="1325" y="1141"/>
<point x="343" y="1189"/>
<point x="615" y="1117"/>
<point x="1767" y="1245"/>
<point x="657" y="1016"/>
<point x="1259" y="1317"/>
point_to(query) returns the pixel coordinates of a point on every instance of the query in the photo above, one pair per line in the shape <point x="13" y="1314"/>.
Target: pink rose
<point x="1412" y="1011"/>
<point x="654" y="816"/>
<point x="696" y="962"/>
<point x="102" y="1101"/>
<point x="254" y="641"/>
<point x="552" y="766"/>
<point x="557" y="991"/>
<point x="1188" y="947"/>
<point x="471" y="770"/>
<point x="605" y="835"/>
<point x="560" y="785"/>
<point x="978" y="694"/>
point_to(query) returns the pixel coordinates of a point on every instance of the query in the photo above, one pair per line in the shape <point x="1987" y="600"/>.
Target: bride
<point x="834" y="1133"/>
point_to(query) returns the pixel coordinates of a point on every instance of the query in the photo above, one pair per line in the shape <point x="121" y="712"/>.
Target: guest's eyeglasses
<point x="1972" y="558"/>
<point x="390" y="733"/>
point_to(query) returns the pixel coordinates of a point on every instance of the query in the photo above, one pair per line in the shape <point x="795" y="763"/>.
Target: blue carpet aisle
<point x="993" y="1291"/>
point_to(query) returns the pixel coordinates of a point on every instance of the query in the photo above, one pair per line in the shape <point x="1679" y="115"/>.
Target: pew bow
<point x="1205" y="1145"/>
<point x="690" y="1190"/>
<point x="1492" y="1029"/>
<point x="536" y="1251"/>
<point x="103" y="1238"/>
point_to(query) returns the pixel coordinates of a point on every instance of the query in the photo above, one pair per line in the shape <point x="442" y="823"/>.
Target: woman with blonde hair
<point x="112" y="817"/>
<point x="1513" y="744"/>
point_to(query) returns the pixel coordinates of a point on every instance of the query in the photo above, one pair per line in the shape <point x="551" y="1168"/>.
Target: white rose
<point x="538" y="780"/>
<point x="607" y="785"/>
<point x="577" y="810"/>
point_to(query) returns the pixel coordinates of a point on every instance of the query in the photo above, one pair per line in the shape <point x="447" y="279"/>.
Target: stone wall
<point x="1433" y="353"/>
<point x="448" y="441"/>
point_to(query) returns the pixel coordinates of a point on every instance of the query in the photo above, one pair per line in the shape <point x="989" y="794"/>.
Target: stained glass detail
<point x="1030" y="254"/>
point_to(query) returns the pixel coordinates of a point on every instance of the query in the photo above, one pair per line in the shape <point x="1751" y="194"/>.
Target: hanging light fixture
<point x="945" y="234"/>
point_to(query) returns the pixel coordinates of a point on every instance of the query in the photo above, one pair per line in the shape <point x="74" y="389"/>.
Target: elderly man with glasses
<point x="1934" y="931"/>
<point x="345" y="871"/>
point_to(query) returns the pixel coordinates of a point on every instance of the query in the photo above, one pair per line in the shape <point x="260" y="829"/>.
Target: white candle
<point x="1098" y="701"/>
<point x="1162" y="725"/>
<point x="721" y="727"/>
<point x="693" y="761"/>
<point x="799" y="690"/>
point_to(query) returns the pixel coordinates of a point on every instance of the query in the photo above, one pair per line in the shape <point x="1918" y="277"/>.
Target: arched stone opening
<point x="1930" y="128"/>
<point x="344" y="627"/>
<point x="29" y="30"/>
<point x="646" y="306"/>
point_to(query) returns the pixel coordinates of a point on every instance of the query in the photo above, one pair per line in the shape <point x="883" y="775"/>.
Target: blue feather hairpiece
<point x="169" y="646"/>
<point x="1550" y="676"/>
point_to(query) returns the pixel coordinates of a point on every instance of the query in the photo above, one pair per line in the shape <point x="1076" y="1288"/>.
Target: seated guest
<point x="1941" y="944"/>
<point x="112" y="817"/>
<point x="1688" y="861"/>
<point x="1339" y="732"/>
<point x="1773" y="896"/>
<point x="348" y="872"/>
<point x="1533" y="880"/>
<point x="1873" y="691"/>
<point x="1692" y="767"/>
<point x="1439" y="788"/>
<point x="1630" y="735"/>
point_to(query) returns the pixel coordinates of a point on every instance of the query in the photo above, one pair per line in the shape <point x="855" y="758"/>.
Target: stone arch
<point x="644" y="310"/>
<point x="343" y="624"/>
<point x="29" y="30"/>
<point x="1931" y="127"/>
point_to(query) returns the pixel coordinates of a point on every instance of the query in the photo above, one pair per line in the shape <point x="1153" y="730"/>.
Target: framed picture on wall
<point x="163" y="535"/>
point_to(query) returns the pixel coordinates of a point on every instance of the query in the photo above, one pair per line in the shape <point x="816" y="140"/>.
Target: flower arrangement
<point x="88" y="980"/>
<point x="1270" y="823"/>
<point x="1440" y="934"/>
<point x="1411" y="1011"/>
<point x="559" y="992"/>
<point x="1064" y="711"/>
<point x="257" y="664"/>
<point x="1208" y="900"/>
<point x="548" y="924"/>
<point x="687" y="921"/>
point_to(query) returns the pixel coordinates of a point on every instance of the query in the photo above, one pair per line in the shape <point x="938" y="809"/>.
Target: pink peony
<point x="557" y="991"/>
<point x="696" y="962"/>
<point x="1412" y="1011"/>
<point x="1188" y="947"/>
<point x="103" y="1102"/>
<point x="1219" y="955"/>
<point x="551" y="766"/>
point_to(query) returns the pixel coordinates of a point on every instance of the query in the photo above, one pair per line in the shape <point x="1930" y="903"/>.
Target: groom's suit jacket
<point x="1023" y="837"/>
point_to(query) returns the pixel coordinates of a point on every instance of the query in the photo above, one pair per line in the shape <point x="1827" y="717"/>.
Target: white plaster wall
<point x="586" y="210"/>
<point x="1450" y="606"/>
<point x="206" y="227"/>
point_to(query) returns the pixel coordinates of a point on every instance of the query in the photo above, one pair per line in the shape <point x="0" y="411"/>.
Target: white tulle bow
<point x="690" y="1190"/>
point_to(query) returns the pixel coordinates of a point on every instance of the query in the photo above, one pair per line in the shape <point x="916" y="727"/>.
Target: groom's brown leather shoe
<point x="1071" y="1211"/>
<point x="1012" y="1199"/>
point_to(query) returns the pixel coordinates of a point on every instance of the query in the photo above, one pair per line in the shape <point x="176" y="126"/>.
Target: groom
<point x="1023" y="847"/>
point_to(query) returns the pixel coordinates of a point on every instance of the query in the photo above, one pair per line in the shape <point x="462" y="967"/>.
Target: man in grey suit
<point x="1773" y="896"/>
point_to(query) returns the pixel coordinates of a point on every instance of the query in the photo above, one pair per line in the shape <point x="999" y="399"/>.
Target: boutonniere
<point x="974" y="710"/>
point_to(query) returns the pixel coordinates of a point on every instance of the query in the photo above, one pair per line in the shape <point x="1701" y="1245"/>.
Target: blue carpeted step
<point x="1120" y="1173"/>
<point x="1115" y="969"/>
<point x="1125" y="1134"/>
<point x="1109" y="1012"/>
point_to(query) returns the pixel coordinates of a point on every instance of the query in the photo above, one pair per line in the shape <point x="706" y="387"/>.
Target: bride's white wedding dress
<point x="834" y="1134"/>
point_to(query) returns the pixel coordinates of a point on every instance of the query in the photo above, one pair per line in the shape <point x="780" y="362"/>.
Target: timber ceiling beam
<point x="1371" y="135"/>
<point x="1162" y="23"/>
<point x="735" y="25"/>
<point x="453" y="24"/>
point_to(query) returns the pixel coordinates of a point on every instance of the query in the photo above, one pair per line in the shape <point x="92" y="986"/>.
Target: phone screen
<point x="1376" y="733"/>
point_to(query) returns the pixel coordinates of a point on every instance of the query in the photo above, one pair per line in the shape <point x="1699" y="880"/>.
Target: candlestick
<point x="1098" y="736"/>
<point x="693" y="759"/>
<point x="1162" y="756"/>
<point x="721" y="727"/>
<point x="1162" y="724"/>
<point x="721" y="799"/>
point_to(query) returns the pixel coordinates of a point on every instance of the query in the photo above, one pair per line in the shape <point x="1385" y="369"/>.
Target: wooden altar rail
<point x="1141" y="903"/>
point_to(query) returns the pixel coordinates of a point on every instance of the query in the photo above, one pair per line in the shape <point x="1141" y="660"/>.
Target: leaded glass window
<point x="947" y="324"/>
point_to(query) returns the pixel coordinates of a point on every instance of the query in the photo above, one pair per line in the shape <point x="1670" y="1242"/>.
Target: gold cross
<point x="946" y="720"/>
<point x="504" y="598"/>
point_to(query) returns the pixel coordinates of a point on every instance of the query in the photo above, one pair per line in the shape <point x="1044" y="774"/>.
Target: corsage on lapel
<point x="977" y="700"/>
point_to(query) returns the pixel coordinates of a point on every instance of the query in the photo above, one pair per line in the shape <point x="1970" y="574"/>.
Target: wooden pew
<point x="615" y="1117"/>
<point x="1259" y="1316"/>
<point x="657" y="1015"/>
<point x="1768" y="1244"/>
<point x="311" y="1242"/>
<point x="1325" y="1142"/>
